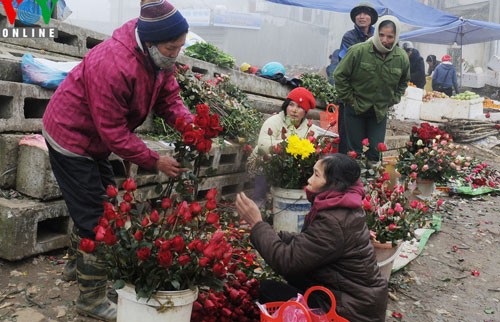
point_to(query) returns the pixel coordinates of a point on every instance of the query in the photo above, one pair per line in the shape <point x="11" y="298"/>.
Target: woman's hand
<point x="169" y="166"/>
<point x="247" y="209"/>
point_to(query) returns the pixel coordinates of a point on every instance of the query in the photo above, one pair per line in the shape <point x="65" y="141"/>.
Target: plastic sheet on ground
<point x="465" y="190"/>
<point x="411" y="249"/>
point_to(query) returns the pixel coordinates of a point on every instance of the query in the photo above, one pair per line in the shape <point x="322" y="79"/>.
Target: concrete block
<point x="246" y="82"/>
<point x="492" y="78"/>
<point x="34" y="174"/>
<point x="223" y="158"/>
<point x="395" y="142"/>
<point x="22" y="107"/>
<point x="227" y="185"/>
<point x="9" y="148"/>
<point x="414" y="93"/>
<point x="494" y="63"/>
<point x="29" y="227"/>
<point x="474" y="80"/>
<point x="412" y="109"/>
<point x="436" y="109"/>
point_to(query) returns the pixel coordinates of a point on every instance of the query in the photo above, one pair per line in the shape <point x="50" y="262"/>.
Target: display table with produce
<point x="438" y="108"/>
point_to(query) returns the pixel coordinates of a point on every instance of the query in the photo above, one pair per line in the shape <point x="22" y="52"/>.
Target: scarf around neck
<point x="376" y="39"/>
<point x="350" y="198"/>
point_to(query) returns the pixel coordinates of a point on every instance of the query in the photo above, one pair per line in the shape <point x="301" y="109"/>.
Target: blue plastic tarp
<point x="408" y="11"/>
<point x="461" y="32"/>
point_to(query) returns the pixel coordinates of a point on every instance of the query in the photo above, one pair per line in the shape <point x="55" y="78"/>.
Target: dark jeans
<point x="83" y="185"/>
<point x="359" y="127"/>
<point x="448" y="91"/>
<point x="341" y="129"/>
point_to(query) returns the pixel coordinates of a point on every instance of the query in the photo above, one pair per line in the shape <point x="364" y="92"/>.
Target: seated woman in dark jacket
<point x="332" y="250"/>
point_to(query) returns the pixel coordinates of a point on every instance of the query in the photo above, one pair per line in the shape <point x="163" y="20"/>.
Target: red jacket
<point x="109" y="94"/>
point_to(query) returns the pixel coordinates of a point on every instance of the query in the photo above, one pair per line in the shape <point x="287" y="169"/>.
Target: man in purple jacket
<point x="94" y="113"/>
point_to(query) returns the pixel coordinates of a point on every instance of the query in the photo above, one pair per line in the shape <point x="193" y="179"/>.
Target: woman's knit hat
<point x="303" y="97"/>
<point x="446" y="58"/>
<point x="160" y="21"/>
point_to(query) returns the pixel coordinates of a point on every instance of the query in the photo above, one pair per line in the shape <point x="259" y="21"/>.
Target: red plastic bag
<point x="329" y="118"/>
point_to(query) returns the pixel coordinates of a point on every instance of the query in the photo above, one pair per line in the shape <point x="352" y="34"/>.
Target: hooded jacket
<point x="446" y="76"/>
<point x="417" y="69"/>
<point x="365" y="80"/>
<point x="333" y="250"/>
<point x="109" y="94"/>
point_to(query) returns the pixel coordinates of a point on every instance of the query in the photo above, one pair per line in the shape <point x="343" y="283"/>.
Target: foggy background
<point x="258" y="31"/>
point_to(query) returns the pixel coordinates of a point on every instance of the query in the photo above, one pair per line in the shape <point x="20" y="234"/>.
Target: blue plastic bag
<point x="43" y="72"/>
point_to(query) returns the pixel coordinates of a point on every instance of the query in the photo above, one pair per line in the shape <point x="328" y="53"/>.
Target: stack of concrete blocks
<point x="410" y="104"/>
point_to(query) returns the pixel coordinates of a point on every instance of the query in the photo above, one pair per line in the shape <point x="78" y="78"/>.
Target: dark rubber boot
<point x="92" y="281"/>
<point x="69" y="272"/>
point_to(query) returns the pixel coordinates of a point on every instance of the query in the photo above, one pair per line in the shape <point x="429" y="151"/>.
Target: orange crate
<point x="272" y="307"/>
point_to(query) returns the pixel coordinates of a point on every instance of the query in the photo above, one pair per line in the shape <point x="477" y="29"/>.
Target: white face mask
<point x="160" y="60"/>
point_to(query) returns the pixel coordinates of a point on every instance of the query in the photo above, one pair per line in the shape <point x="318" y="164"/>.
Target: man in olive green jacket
<point x="370" y="79"/>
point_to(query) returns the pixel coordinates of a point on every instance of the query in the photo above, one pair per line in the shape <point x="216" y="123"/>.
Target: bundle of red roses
<point x="172" y="242"/>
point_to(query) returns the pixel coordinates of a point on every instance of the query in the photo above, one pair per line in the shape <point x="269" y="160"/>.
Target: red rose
<point x="212" y="218"/>
<point x="99" y="233"/>
<point x="202" y="121"/>
<point x="202" y="109"/>
<point x="129" y="185"/>
<point x="269" y="131"/>
<point x="110" y="238"/>
<point x="189" y="137"/>
<point x="211" y="204"/>
<point x="365" y="142"/>
<point x="219" y="270"/>
<point x="178" y="244"/>
<point x="392" y="227"/>
<point x="154" y="217"/>
<point x="204" y="146"/>
<point x="111" y="191"/>
<point x="166" y="203"/>
<point x="144" y="253"/>
<point x="381" y="147"/>
<point x="352" y="154"/>
<point x="138" y="235"/>
<point x="127" y="197"/>
<point x="211" y="193"/>
<point x="195" y="208"/>
<point x="184" y="259"/>
<point x="204" y="261"/>
<point x="165" y="258"/>
<point x="215" y="122"/>
<point x="180" y="124"/>
<point x="145" y="222"/>
<point x="87" y="245"/>
<point x="125" y="207"/>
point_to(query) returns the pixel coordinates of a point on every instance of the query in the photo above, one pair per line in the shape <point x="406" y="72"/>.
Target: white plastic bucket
<point x="177" y="306"/>
<point x="385" y="258"/>
<point x="290" y="207"/>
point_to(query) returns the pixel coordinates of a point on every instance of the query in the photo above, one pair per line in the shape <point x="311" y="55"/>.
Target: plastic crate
<point x="272" y="307"/>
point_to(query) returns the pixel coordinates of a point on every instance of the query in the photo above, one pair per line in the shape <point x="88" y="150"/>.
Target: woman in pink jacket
<point x="94" y="113"/>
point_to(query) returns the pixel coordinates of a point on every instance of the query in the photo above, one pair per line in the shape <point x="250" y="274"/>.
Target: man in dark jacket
<point x="417" y="66"/>
<point x="364" y="17"/>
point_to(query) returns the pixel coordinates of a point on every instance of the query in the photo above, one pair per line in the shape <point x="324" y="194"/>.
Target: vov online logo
<point x="28" y="12"/>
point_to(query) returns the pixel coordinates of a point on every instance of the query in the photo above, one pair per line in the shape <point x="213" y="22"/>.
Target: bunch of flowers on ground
<point x="290" y="163"/>
<point x="429" y="154"/>
<point x="390" y="215"/>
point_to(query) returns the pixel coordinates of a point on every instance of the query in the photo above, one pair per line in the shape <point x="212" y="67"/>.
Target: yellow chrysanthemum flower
<point x="298" y="147"/>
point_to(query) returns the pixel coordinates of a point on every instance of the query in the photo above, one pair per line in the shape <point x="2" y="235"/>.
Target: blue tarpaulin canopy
<point x="460" y="32"/>
<point x="408" y="11"/>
